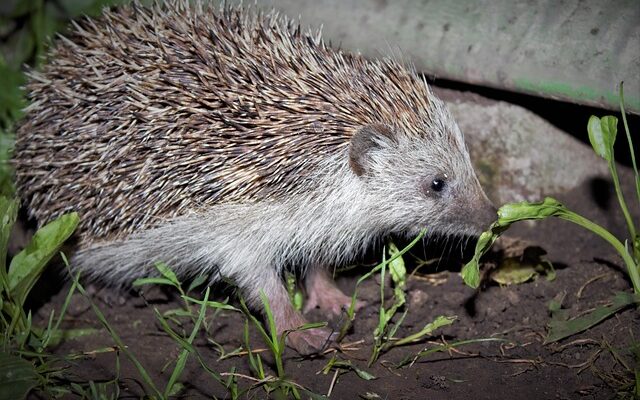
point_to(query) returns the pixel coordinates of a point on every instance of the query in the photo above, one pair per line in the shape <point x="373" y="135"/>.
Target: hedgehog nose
<point x="487" y="215"/>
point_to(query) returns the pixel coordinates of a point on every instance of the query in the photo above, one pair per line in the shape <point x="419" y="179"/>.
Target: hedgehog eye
<point x="437" y="184"/>
<point x="434" y="185"/>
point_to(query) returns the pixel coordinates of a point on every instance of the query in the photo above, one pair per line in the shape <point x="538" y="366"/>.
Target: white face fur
<point x="418" y="181"/>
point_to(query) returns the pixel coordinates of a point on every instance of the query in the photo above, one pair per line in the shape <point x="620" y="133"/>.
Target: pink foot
<point x="310" y="341"/>
<point x="323" y="293"/>
<point x="305" y="342"/>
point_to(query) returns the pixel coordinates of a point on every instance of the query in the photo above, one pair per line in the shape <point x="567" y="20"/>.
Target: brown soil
<point x="580" y="367"/>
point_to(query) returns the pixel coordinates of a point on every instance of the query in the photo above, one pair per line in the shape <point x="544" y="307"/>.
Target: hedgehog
<point x="230" y="142"/>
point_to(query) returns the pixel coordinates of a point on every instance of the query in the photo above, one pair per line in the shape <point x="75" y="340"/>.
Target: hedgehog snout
<point x="486" y="215"/>
<point x="473" y="215"/>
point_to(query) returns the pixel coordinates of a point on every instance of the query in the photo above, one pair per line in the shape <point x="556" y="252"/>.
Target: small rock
<point x="417" y="298"/>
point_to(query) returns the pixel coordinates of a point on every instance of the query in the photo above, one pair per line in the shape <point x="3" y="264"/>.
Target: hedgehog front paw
<point x="310" y="341"/>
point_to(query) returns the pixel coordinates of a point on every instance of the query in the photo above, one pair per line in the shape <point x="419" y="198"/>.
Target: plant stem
<point x="632" y="267"/>
<point x="623" y="203"/>
<point x="631" y="148"/>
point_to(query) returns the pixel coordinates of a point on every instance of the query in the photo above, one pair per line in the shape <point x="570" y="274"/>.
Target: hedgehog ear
<point x="367" y="139"/>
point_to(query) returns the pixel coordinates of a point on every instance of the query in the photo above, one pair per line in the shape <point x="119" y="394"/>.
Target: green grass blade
<point x="560" y="329"/>
<point x="184" y="355"/>
<point x="116" y="338"/>
<point x="197" y="282"/>
<point x="348" y="365"/>
<point x="212" y="304"/>
<point x="270" y="320"/>
<point x="257" y="324"/>
<point x="52" y="332"/>
<point x="471" y="271"/>
<point x="152" y="281"/>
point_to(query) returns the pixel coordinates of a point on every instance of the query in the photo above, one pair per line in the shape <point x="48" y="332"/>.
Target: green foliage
<point x="17" y="377"/>
<point x="385" y="331"/>
<point x="168" y="277"/>
<point x="343" y="366"/>
<point x="352" y="307"/>
<point x="187" y="347"/>
<point x="630" y="143"/>
<point x="6" y="147"/>
<point x="295" y="294"/>
<point x="24" y="361"/>
<point x="11" y="97"/>
<point x="517" y="270"/>
<point x="26" y="267"/>
<point x="602" y="135"/>
<point x="561" y="326"/>
<point x="279" y="385"/>
<point x="151" y="385"/>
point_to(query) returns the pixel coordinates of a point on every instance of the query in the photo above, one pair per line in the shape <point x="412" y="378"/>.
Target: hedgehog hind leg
<point x="287" y="318"/>
<point x="323" y="293"/>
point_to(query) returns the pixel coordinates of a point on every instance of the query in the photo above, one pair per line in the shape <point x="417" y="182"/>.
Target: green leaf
<point x="560" y="328"/>
<point x="602" y="135"/>
<point x="362" y="374"/>
<point x="27" y="266"/>
<point x="516" y="270"/>
<point x="398" y="273"/>
<point x="512" y="271"/>
<point x="471" y="271"/>
<point x="609" y="125"/>
<point x="167" y="273"/>
<point x="17" y="377"/>
<point x="8" y="214"/>
<point x="6" y="147"/>
<point x="295" y="295"/>
<point x="11" y="95"/>
<point x="445" y="347"/>
<point x="514" y="212"/>
<point x="507" y="215"/>
<point x="211" y="304"/>
<point x="177" y="387"/>
<point x="152" y="281"/>
<point x="60" y="336"/>
<point x="396" y="266"/>
<point x="43" y="24"/>
<point x="439" y="322"/>
<point x="197" y="282"/>
<point x="19" y="48"/>
<point x="595" y="136"/>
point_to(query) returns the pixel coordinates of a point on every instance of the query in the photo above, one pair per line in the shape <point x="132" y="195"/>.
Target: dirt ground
<point x="579" y="367"/>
